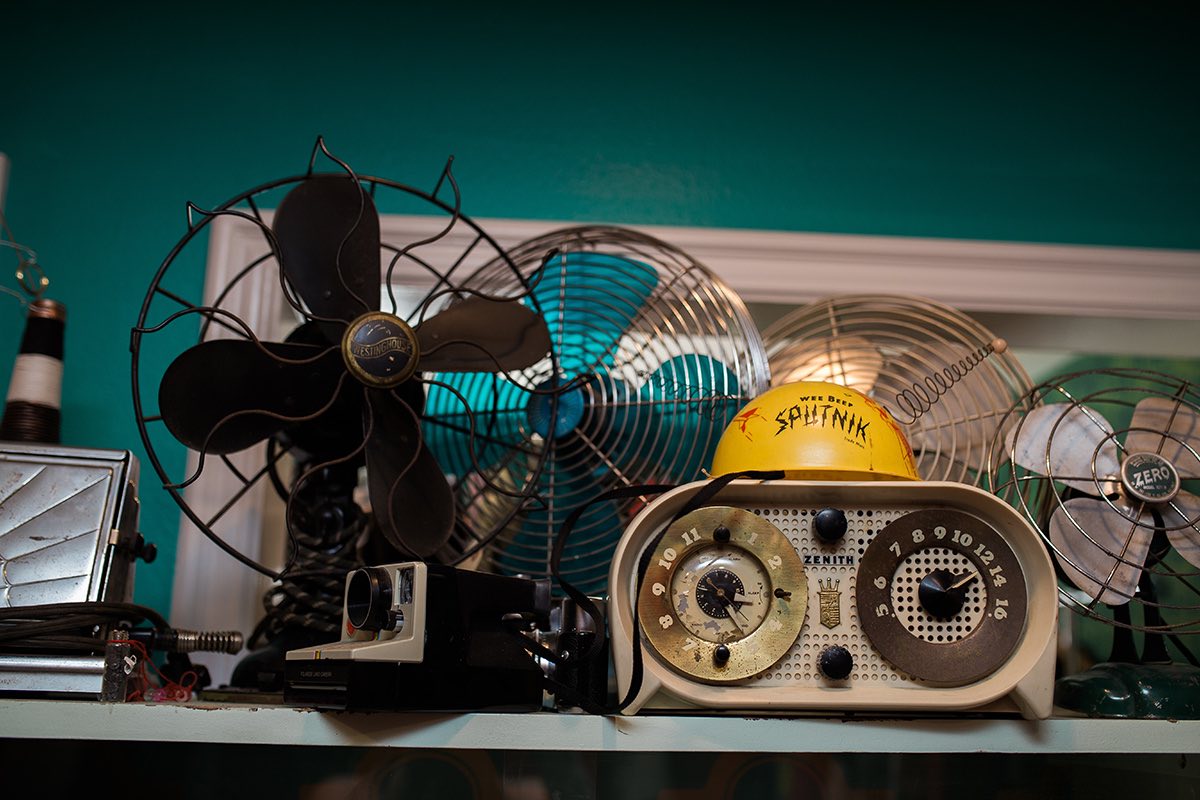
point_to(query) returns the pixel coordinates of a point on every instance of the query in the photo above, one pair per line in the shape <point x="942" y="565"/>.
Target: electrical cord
<point x="81" y="627"/>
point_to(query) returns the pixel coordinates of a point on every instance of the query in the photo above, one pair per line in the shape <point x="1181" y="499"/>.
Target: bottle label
<point x="36" y="379"/>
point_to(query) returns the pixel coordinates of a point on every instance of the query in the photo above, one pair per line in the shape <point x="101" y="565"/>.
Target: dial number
<point x="746" y="595"/>
<point x="992" y="638"/>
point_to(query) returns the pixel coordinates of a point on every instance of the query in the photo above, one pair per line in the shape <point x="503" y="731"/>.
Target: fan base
<point x="1132" y="691"/>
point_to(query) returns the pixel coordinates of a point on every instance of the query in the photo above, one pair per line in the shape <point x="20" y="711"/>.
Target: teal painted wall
<point x="1074" y="124"/>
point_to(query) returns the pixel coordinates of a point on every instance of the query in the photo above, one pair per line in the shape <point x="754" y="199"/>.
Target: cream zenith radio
<point x="795" y="596"/>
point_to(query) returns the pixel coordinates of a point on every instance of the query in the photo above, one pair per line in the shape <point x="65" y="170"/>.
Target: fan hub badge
<point x="1150" y="478"/>
<point x="380" y="349"/>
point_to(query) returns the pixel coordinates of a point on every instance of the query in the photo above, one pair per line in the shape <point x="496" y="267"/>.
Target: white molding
<point x="794" y="268"/>
<point x="210" y="591"/>
<point x="1073" y="280"/>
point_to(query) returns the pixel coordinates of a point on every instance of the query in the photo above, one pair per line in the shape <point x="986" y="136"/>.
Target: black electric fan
<point x="345" y="390"/>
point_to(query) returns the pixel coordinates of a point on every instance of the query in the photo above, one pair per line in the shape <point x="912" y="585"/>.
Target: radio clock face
<point x="941" y="596"/>
<point x="723" y="596"/>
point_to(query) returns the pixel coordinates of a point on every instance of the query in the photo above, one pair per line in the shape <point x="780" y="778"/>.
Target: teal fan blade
<point x="681" y="401"/>
<point x="496" y="407"/>
<point x="589" y="300"/>
<point x="567" y="482"/>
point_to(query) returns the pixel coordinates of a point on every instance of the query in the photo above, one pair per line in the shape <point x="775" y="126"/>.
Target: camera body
<point x="435" y="638"/>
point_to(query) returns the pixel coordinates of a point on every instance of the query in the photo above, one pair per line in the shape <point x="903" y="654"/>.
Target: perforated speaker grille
<point x="837" y="566"/>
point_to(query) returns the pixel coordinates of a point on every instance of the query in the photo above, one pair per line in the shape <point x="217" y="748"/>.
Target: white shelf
<point x="275" y="725"/>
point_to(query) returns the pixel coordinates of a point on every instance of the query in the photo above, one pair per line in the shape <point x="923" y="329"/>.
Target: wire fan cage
<point x="284" y="410"/>
<point x="1106" y="465"/>
<point x="655" y="356"/>
<point x="945" y="378"/>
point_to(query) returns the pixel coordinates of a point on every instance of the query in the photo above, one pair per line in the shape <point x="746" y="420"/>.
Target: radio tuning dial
<point x="942" y="596"/>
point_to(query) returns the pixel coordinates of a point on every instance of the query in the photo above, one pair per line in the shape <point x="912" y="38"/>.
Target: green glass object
<point x="1132" y="691"/>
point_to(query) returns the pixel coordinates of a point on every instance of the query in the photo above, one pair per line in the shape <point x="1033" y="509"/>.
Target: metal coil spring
<point x="917" y="400"/>
<point x="184" y="641"/>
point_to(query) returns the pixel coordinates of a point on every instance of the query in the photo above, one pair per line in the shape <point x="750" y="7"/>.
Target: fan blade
<point x="226" y="394"/>
<point x="589" y="300"/>
<point x="1085" y="561"/>
<point x="1073" y="434"/>
<point x="1155" y="421"/>
<point x="566" y="483"/>
<point x="328" y="234"/>
<point x="1181" y="517"/>
<point x="410" y="497"/>
<point x="495" y="405"/>
<point x="340" y="429"/>
<point x="845" y="360"/>
<point x="682" y="410"/>
<point x="482" y="335"/>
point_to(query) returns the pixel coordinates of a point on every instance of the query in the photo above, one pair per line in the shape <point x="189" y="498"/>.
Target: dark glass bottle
<point x="32" y="412"/>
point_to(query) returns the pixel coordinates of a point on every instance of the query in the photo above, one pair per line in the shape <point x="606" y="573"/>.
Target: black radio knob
<point x="830" y="525"/>
<point x="721" y="655"/>
<point x="835" y="663"/>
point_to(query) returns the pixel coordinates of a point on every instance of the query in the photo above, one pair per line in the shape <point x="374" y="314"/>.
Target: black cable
<point x="119" y="611"/>
<point x="71" y="643"/>
<point x="68" y="626"/>
<point x="326" y="529"/>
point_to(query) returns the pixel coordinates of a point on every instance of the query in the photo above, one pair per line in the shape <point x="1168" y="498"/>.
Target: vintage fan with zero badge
<point x="944" y="377"/>
<point x="1105" y="464"/>
<point x="652" y="355"/>
<point x="344" y="390"/>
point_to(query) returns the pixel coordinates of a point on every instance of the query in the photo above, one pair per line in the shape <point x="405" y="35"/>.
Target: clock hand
<point x="727" y="603"/>
<point x="737" y="624"/>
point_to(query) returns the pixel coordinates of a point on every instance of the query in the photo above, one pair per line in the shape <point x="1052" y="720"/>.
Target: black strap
<point x="560" y="544"/>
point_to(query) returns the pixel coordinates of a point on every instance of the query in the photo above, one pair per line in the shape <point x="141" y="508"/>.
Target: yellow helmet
<point x="816" y="431"/>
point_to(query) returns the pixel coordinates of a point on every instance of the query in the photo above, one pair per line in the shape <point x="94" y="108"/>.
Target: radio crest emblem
<point x="830" y="602"/>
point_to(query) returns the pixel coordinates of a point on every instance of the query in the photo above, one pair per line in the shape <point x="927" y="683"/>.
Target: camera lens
<point x="369" y="598"/>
